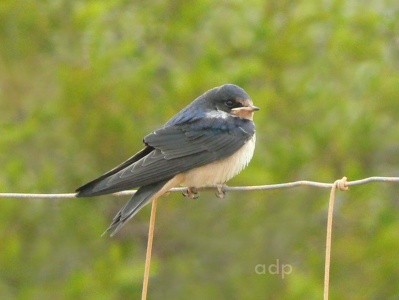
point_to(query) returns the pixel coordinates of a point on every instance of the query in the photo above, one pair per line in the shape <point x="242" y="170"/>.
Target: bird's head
<point x="228" y="98"/>
<point x="234" y="100"/>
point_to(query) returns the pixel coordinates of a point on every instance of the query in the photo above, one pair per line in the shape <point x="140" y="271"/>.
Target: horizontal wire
<point x="226" y="188"/>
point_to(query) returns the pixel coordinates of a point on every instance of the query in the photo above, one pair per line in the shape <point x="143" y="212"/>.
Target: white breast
<point x="221" y="171"/>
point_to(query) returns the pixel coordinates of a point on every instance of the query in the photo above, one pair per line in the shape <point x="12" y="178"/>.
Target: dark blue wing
<point x="175" y="149"/>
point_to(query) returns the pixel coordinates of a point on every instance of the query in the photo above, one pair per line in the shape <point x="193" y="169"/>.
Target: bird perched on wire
<point x="206" y="144"/>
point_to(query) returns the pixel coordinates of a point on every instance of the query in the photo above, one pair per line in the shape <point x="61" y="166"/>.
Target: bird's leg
<point x="192" y="193"/>
<point x="220" y="192"/>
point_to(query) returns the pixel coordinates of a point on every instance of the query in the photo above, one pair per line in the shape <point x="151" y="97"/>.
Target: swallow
<point x="207" y="143"/>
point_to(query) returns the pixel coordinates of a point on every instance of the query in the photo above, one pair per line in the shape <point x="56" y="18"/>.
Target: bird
<point x="207" y="143"/>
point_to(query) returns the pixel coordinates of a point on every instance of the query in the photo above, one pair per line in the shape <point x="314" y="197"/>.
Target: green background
<point x="81" y="83"/>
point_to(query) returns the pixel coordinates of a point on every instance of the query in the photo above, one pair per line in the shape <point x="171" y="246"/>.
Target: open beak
<point x="246" y="108"/>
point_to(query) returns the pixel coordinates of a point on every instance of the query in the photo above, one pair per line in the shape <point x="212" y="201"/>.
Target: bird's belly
<point x="220" y="171"/>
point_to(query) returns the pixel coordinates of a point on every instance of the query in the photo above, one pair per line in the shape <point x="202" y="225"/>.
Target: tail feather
<point x="143" y="196"/>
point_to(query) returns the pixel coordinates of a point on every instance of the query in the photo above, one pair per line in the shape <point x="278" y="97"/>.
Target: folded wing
<point x="172" y="150"/>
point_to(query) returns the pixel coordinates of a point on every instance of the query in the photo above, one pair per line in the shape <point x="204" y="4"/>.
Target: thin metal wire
<point x="149" y="250"/>
<point x="342" y="185"/>
<point x="227" y="188"/>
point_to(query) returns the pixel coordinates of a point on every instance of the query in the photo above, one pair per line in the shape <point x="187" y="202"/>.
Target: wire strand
<point x="149" y="250"/>
<point x="227" y="188"/>
<point x="342" y="185"/>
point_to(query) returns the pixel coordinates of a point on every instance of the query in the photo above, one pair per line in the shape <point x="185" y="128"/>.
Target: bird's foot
<point x="191" y="193"/>
<point x="220" y="192"/>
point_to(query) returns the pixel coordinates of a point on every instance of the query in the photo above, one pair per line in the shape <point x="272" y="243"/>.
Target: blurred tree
<point x="81" y="82"/>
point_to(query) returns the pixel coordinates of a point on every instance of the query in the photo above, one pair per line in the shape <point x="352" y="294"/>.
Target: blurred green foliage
<point x="81" y="82"/>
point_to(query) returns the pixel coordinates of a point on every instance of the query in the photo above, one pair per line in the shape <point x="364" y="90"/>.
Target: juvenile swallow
<point x="205" y="144"/>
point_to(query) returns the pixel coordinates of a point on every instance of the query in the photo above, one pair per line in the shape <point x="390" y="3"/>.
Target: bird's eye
<point x="229" y="103"/>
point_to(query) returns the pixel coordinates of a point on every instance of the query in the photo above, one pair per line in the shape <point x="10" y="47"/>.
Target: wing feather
<point x="175" y="149"/>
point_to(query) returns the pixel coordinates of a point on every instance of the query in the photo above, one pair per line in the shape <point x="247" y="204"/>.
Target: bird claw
<point x="191" y="193"/>
<point x="220" y="193"/>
